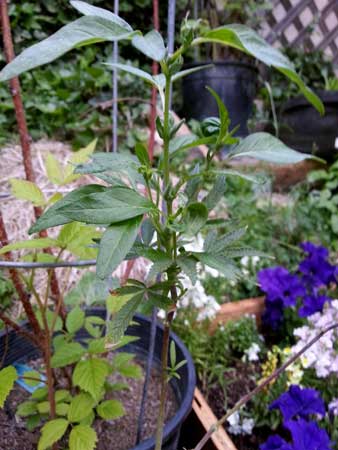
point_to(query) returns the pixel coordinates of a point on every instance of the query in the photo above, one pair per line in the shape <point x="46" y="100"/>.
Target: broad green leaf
<point x="52" y="217"/>
<point x="52" y="432"/>
<point x="26" y="409"/>
<point x="259" y="179"/>
<point x="78" y="238"/>
<point x="75" y="319"/>
<point x="90" y="376"/>
<point x="184" y="73"/>
<point x="31" y="244"/>
<point x="8" y="376"/>
<point x="118" y="324"/>
<point x="84" y="31"/>
<point x="151" y="45"/>
<point x="266" y="147"/>
<point x="62" y="395"/>
<point x="43" y="407"/>
<point x="219" y="244"/>
<point x="161" y="263"/>
<point x="195" y="218"/>
<point x="142" y="154"/>
<point x="116" y="301"/>
<point x="85" y="292"/>
<point x="113" y="205"/>
<point x="188" y="266"/>
<point x="82" y="437"/>
<point x="26" y="190"/>
<point x="81" y="156"/>
<point x="30" y="374"/>
<point x="145" y="76"/>
<point x="147" y="231"/>
<point x="66" y="354"/>
<point x="110" y="409"/>
<point x="107" y="162"/>
<point x="220" y="263"/>
<point x="80" y="407"/>
<point x="245" y="39"/>
<point x="40" y="393"/>
<point x="54" y="169"/>
<point x="62" y="409"/>
<point x="93" y="325"/>
<point x="216" y="193"/>
<point x="116" y="242"/>
<point x="181" y="143"/>
<point x="50" y="316"/>
<point x="89" y="10"/>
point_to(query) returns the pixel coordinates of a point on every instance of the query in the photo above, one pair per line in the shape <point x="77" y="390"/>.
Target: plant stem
<point x="261" y="386"/>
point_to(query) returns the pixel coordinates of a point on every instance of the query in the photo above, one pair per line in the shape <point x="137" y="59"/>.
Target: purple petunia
<point x="313" y="249"/>
<point x="299" y="402"/>
<point x="279" y="283"/>
<point x="275" y="442"/>
<point x="274" y="313"/>
<point x="312" y="304"/>
<point x="315" y="268"/>
<point x="308" y="435"/>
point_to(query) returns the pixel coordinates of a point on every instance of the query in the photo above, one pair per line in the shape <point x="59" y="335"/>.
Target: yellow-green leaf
<point x="26" y="190"/>
<point x="82" y="437"/>
<point x="54" y="169"/>
<point x="31" y="244"/>
<point x="110" y="409"/>
<point x="52" y="432"/>
<point x="8" y="376"/>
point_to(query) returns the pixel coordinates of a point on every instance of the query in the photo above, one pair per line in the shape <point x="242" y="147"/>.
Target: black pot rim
<point x="184" y="406"/>
<point x="225" y="62"/>
<point x="327" y="97"/>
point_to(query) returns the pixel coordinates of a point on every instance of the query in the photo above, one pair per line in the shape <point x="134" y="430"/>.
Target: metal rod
<point x="46" y="265"/>
<point x="115" y="87"/>
<point x="171" y="34"/>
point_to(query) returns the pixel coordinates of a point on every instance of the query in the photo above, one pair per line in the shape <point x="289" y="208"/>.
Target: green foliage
<point x="51" y="432"/>
<point x="7" y="292"/>
<point x="8" y="376"/>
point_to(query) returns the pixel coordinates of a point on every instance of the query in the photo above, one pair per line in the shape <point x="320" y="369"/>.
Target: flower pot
<point x="303" y="129"/>
<point x="235" y="83"/>
<point x="18" y="349"/>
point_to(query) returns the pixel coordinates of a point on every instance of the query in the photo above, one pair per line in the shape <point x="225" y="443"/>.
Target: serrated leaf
<point x="62" y="395"/>
<point x="8" y="376"/>
<point x="115" y="243"/>
<point x="131" y="371"/>
<point x="161" y="263"/>
<point x="66" y="354"/>
<point x="40" y="393"/>
<point x="110" y="409"/>
<point x="54" y="169"/>
<point x="31" y="244"/>
<point x="26" y="409"/>
<point x="188" y="265"/>
<point x="220" y="263"/>
<point x="216" y="193"/>
<point x="245" y="39"/>
<point x="219" y="245"/>
<point x="195" y="218"/>
<point x="117" y="326"/>
<point x="61" y="409"/>
<point x="90" y="376"/>
<point x="52" y="432"/>
<point x="26" y="190"/>
<point x="151" y="45"/>
<point x="80" y="407"/>
<point x="84" y="31"/>
<point x="82" y="437"/>
<point x="75" y="319"/>
<point x="50" y="316"/>
<point x="265" y="147"/>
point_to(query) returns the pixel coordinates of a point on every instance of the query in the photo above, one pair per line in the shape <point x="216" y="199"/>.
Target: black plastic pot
<point x="305" y="130"/>
<point x="20" y="350"/>
<point x="234" y="82"/>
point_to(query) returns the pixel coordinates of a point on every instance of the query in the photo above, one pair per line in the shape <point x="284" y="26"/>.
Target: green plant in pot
<point x="300" y="126"/>
<point x="141" y="210"/>
<point x="232" y="74"/>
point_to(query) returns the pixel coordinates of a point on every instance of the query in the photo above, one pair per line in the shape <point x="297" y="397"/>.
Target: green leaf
<point x="75" y="319"/>
<point x="219" y="244"/>
<point x="89" y="10"/>
<point x="115" y="243"/>
<point x="117" y="326"/>
<point x="31" y="244"/>
<point x="188" y="266"/>
<point x="83" y="31"/>
<point x="40" y="393"/>
<point x="54" y="169"/>
<point x="266" y="147"/>
<point x="161" y="263"/>
<point x="90" y="376"/>
<point x="220" y="263"/>
<point x="142" y="154"/>
<point x="216" y="193"/>
<point x="8" y="376"/>
<point x="66" y="354"/>
<point x="110" y="410"/>
<point x="245" y="39"/>
<point x="82" y="437"/>
<point x="151" y="45"/>
<point x="50" y="315"/>
<point x="108" y="162"/>
<point x="52" y="432"/>
<point x="145" y="76"/>
<point x="62" y="395"/>
<point x="223" y="116"/>
<point x="184" y="73"/>
<point x="26" y="409"/>
<point x="80" y="407"/>
<point x="195" y="218"/>
<point x="239" y="252"/>
<point x="32" y="374"/>
<point x="26" y="190"/>
<point x="181" y="143"/>
<point x="52" y="217"/>
<point x="259" y="179"/>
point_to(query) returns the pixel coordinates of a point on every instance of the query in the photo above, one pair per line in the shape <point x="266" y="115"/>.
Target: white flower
<point x="333" y="406"/>
<point x="252" y="352"/>
<point x="247" y="425"/>
<point x="236" y="427"/>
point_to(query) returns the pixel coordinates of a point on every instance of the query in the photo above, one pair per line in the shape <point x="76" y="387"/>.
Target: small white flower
<point x="333" y="406"/>
<point x="245" y="261"/>
<point x="252" y="352"/>
<point x="247" y="425"/>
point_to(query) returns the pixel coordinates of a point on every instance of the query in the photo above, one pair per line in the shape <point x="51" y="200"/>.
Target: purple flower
<point x="313" y="249"/>
<point x="316" y="270"/>
<point x="274" y="313"/>
<point x="299" y="402"/>
<point x="279" y="283"/>
<point x="312" y="304"/>
<point x="275" y="442"/>
<point x="308" y="435"/>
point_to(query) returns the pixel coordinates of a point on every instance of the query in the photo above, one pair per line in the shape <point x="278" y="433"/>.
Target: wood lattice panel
<point x="313" y="23"/>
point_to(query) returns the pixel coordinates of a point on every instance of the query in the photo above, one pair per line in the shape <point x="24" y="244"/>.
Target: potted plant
<point x="229" y="72"/>
<point x="141" y="212"/>
<point x="299" y="125"/>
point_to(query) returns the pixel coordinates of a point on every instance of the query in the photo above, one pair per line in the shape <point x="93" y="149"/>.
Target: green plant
<point x="119" y="208"/>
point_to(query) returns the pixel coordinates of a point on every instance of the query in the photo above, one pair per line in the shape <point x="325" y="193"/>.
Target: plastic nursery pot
<point x="302" y="127"/>
<point x="235" y="83"/>
<point x="18" y="349"/>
